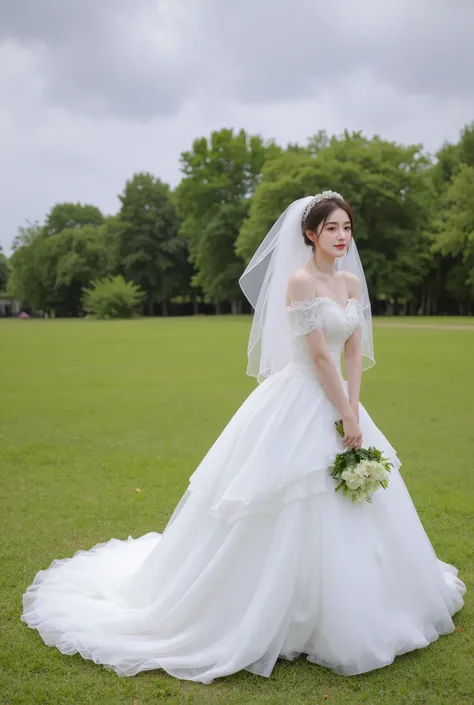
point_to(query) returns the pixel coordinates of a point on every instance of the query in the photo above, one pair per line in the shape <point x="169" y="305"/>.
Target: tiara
<point x="319" y="197"/>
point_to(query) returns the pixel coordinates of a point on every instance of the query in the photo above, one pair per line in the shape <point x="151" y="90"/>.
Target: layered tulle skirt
<point x="261" y="559"/>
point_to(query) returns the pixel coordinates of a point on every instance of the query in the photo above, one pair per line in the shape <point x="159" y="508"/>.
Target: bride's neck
<point x="325" y="265"/>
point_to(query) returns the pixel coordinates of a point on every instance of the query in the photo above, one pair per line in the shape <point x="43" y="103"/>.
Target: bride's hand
<point x="352" y="433"/>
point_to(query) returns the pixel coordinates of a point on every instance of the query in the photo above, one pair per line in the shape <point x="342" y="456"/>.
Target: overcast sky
<point x="92" y="91"/>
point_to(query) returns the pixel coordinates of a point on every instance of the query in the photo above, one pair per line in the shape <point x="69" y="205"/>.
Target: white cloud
<point x="92" y="92"/>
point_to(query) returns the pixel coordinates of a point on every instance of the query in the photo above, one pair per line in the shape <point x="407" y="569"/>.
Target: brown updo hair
<point x="320" y="212"/>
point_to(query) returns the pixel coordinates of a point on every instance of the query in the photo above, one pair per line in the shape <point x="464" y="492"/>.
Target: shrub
<point x="112" y="297"/>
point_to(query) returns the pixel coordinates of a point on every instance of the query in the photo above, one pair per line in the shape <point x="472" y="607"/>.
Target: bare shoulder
<point x="300" y="285"/>
<point x="354" y="285"/>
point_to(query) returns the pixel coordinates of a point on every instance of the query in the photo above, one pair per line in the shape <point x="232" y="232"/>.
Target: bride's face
<point x="335" y="234"/>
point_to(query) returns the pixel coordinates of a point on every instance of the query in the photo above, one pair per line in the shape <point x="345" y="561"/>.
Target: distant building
<point x="9" y="306"/>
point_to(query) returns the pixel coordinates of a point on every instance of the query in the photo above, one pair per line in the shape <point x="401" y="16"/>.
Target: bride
<point x="262" y="559"/>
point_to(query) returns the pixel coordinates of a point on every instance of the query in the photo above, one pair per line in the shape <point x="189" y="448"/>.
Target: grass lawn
<point x="91" y="412"/>
<point x="454" y="321"/>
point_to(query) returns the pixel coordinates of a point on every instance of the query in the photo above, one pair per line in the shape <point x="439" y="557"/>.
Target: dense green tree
<point x="73" y="257"/>
<point x="387" y="184"/>
<point x="455" y="231"/>
<point x="26" y="280"/>
<point x="220" y="176"/>
<point x="414" y="224"/>
<point x="466" y="145"/>
<point x="448" y="288"/>
<point x="49" y="270"/>
<point x="4" y="270"/>
<point x="318" y="142"/>
<point x="71" y="215"/>
<point x="150" y="250"/>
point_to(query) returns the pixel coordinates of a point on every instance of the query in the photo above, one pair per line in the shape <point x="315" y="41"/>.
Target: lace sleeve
<point x="304" y="317"/>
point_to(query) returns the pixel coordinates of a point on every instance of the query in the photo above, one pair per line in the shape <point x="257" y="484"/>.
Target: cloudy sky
<point x="92" y="91"/>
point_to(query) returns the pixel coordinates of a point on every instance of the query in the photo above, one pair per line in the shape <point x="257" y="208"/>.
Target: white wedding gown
<point x="261" y="558"/>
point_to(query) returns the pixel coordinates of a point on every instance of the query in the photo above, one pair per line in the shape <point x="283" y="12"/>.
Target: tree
<point x="72" y="259"/>
<point x="446" y="165"/>
<point x="150" y="249"/>
<point x="220" y="176"/>
<point x="71" y="215"/>
<point x="112" y="229"/>
<point x="466" y="145"/>
<point x="318" y="142"/>
<point x="4" y="270"/>
<point x="26" y="281"/>
<point x="387" y="184"/>
<point x="448" y="287"/>
<point x="50" y="267"/>
<point x="220" y="269"/>
<point x="455" y="230"/>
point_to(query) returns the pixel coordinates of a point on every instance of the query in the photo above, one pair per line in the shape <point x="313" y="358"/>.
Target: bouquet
<point x="359" y="471"/>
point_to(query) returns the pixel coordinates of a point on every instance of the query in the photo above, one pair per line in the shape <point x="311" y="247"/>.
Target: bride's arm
<point x="353" y="352"/>
<point x="299" y="290"/>
<point x="353" y="360"/>
<point x="329" y="376"/>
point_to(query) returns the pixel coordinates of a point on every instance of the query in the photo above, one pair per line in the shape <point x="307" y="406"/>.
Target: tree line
<point x="186" y="248"/>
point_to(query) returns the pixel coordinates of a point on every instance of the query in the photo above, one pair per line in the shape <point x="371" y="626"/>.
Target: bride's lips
<point x="340" y="247"/>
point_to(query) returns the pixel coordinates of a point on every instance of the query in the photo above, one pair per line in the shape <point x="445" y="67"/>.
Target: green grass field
<point x="91" y="412"/>
<point x="426" y="321"/>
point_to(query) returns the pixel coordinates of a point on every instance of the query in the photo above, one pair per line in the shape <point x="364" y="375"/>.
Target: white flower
<point x="359" y="496"/>
<point x="363" y="468"/>
<point x="352" y="479"/>
<point x="378" y="471"/>
<point x="364" y="479"/>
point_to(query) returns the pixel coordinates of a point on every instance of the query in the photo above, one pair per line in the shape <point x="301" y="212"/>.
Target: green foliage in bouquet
<point x="360" y="471"/>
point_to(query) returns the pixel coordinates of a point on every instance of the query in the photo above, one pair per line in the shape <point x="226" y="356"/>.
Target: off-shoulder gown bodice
<point x="337" y="322"/>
